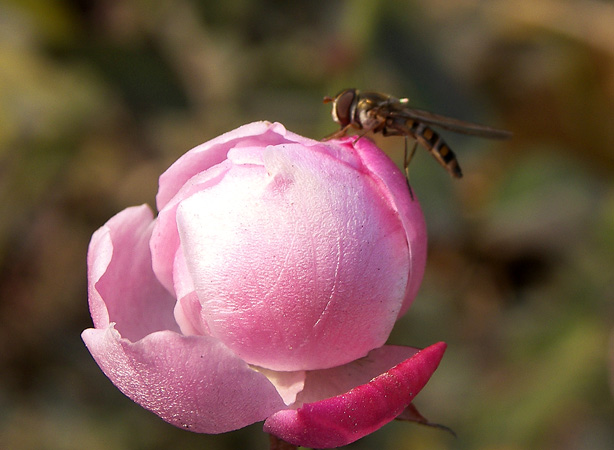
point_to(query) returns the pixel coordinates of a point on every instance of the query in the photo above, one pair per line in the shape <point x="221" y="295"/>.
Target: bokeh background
<point x="98" y="97"/>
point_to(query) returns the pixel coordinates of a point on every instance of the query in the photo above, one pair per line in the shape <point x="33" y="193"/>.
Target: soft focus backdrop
<point x="97" y="98"/>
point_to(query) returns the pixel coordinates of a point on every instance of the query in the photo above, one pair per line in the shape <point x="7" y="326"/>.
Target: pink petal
<point x="122" y="286"/>
<point x="213" y="152"/>
<point x="198" y="169"/>
<point x="188" y="314"/>
<point x="192" y="382"/>
<point x="409" y="210"/>
<point x="165" y="238"/>
<point x="311" y="275"/>
<point x="345" y="418"/>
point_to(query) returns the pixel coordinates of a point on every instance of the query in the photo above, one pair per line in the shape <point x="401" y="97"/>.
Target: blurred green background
<point x="97" y="98"/>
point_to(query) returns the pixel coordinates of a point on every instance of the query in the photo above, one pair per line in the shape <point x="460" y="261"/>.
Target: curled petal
<point x="192" y="382"/>
<point x="122" y="286"/>
<point x="345" y="418"/>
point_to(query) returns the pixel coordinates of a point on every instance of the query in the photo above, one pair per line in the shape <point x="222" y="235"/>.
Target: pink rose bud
<point x="265" y="289"/>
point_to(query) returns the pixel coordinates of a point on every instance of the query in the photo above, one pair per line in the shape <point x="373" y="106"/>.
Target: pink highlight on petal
<point x="346" y="418"/>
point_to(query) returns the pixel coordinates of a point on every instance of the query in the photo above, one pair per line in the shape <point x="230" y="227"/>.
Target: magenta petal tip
<point x="343" y="419"/>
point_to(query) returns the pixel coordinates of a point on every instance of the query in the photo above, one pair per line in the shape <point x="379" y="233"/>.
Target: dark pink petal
<point x="192" y="382"/>
<point x="122" y="286"/>
<point x="326" y="383"/>
<point x="347" y="417"/>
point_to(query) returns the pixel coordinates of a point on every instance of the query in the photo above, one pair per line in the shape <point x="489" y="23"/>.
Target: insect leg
<point x="408" y="156"/>
<point x="361" y="135"/>
<point x="406" y="160"/>
<point x="338" y="134"/>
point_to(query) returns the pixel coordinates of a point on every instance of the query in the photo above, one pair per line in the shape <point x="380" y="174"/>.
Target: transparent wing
<point x="448" y="123"/>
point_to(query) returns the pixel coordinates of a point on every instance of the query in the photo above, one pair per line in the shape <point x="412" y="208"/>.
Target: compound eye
<point x="342" y="112"/>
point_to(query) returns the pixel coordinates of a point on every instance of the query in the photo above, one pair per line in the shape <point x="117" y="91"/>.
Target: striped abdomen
<point x="430" y="140"/>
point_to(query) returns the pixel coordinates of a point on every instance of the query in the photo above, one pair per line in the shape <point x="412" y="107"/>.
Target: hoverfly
<point x="381" y="113"/>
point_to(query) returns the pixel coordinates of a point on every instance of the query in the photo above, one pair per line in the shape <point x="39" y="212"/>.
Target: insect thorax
<point x="367" y="119"/>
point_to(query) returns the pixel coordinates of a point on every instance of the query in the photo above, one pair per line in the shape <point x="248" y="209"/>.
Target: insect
<point x="381" y="113"/>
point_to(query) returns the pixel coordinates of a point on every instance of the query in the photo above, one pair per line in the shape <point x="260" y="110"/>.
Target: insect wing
<point x="448" y="123"/>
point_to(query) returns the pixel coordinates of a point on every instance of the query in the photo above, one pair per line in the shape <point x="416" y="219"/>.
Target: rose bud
<point x="265" y="289"/>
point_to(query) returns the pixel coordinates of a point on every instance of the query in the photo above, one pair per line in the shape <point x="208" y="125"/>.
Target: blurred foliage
<point x="98" y="97"/>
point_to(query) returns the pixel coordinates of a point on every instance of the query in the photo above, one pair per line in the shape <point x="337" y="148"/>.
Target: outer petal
<point x="409" y="210"/>
<point x="122" y="286"/>
<point x="193" y="382"/>
<point x="345" y="418"/>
